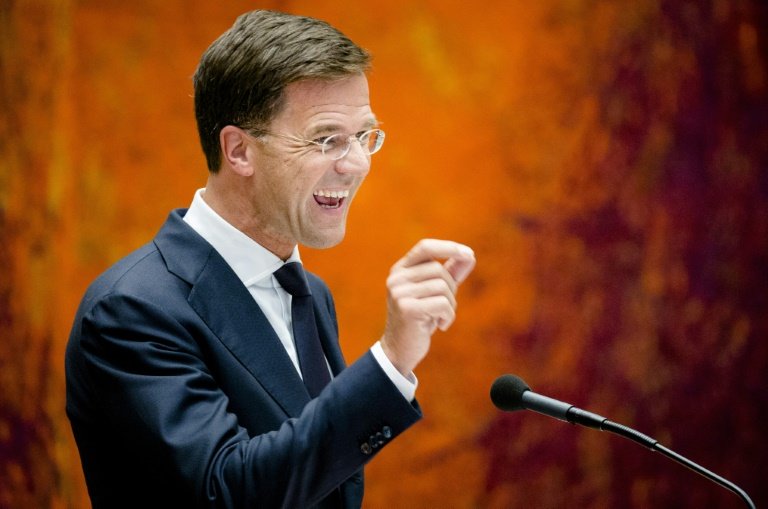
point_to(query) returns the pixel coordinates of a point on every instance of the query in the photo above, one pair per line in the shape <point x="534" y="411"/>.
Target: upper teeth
<point x="332" y="194"/>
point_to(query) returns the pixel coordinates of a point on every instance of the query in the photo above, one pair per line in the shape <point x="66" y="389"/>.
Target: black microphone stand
<point x="578" y="416"/>
<point x="510" y="393"/>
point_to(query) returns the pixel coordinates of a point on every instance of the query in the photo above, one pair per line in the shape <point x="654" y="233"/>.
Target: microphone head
<point x="507" y="393"/>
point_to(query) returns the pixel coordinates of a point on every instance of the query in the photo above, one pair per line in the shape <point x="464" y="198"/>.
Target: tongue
<point x="327" y="201"/>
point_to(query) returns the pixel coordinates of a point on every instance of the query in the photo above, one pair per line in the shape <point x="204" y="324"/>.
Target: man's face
<point x="301" y="196"/>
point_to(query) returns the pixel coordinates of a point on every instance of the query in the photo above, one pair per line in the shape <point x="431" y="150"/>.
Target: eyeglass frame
<point x="323" y="144"/>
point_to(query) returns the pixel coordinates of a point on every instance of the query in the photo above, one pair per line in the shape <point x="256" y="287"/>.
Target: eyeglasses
<point x="336" y="146"/>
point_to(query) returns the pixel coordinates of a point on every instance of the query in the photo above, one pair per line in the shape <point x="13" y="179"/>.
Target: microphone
<point x="510" y="393"/>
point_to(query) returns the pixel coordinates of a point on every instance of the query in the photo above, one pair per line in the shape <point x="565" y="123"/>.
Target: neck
<point x="229" y="203"/>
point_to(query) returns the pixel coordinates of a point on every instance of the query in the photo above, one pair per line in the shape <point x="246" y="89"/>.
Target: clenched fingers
<point x="432" y="275"/>
<point x="459" y="259"/>
<point x="422" y="289"/>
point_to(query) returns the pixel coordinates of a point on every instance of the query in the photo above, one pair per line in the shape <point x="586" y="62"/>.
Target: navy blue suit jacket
<point x="180" y="394"/>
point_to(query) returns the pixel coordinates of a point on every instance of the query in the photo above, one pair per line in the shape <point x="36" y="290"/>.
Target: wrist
<point x="394" y="358"/>
<point x="405" y="384"/>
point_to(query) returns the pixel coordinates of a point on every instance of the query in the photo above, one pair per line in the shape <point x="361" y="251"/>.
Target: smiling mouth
<point x="330" y="199"/>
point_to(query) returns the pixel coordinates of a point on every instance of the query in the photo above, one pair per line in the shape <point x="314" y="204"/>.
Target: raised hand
<point x="421" y="297"/>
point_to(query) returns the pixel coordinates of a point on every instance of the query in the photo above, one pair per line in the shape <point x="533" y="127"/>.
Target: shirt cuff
<point x="406" y="385"/>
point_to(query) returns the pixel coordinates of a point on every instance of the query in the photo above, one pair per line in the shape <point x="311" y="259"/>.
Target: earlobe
<point x="235" y="151"/>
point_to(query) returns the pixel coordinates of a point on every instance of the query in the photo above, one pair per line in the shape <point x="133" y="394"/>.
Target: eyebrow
<point x="333" y="127"/>
<point x="372" y="123"/>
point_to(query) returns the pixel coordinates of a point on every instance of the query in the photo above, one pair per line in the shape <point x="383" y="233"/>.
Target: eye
<point x="332" y="142"/>
<point x="321" y="140"/>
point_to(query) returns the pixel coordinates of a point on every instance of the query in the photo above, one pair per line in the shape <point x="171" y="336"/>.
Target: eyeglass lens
<point x="338" y="145"/>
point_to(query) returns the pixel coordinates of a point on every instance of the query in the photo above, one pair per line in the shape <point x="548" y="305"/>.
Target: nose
<point x="357" y="160"/>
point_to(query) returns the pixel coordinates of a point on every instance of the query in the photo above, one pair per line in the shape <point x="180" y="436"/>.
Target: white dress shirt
<point x="254" y="265"/>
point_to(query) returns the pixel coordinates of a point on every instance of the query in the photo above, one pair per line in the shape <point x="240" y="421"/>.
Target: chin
<point x="325" y="241"/>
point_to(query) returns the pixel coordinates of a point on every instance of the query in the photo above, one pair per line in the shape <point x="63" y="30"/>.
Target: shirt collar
<point x="251" y="261"/>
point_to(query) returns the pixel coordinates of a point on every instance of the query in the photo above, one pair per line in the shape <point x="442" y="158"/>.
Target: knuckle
<point x="436" y="266"/>
<point x="417" y="249"/>
<point x="398" y="293"/>
<point x="396" y="278"/>
<point x="422" y="244"/>
<point x="441" y="287"/>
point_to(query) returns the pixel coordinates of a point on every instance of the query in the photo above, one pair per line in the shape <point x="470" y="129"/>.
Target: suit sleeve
<point x="162" y="395"/>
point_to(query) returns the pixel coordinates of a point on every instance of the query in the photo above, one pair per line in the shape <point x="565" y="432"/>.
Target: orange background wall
<point x="606" y="160"/>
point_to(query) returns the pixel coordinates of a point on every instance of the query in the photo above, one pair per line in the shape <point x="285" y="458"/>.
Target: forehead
<point x="313" y="103"/>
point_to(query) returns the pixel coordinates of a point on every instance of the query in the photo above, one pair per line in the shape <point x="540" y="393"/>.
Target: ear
<point x="236" y="151"/>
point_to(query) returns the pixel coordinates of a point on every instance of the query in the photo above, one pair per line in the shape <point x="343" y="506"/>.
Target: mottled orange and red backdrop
<point x="606" y="159"/>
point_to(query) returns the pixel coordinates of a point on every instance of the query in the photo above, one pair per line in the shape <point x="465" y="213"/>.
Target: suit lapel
<point x="225" y="305"/>
<point x="222" y="301"/>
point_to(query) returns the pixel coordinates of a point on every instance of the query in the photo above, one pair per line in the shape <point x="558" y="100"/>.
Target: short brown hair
<point x="242" y="76"/>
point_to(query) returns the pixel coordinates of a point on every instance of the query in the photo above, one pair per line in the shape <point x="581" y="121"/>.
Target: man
<point x="199" y="374"/>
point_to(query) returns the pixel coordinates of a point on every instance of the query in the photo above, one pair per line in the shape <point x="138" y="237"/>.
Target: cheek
<point x="289" y="181"/>
<point x="298" y="178"/>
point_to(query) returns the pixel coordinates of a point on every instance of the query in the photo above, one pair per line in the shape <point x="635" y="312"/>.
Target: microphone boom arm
<point x="654" y="445"/>
<point x="578" y="416"/>
<point x="511" y="393"/>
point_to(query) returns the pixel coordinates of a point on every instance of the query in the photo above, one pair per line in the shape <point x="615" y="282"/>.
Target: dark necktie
<point x="311" y="359"/>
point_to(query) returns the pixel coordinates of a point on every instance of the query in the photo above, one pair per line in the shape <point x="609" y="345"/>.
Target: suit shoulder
<point x="141" y="273"/>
